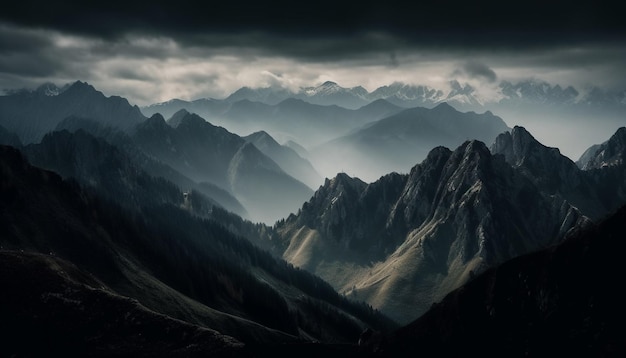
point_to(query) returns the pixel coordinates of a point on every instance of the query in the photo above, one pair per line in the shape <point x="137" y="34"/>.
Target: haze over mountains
<point x="361" y="220"/>
<point x="559" y="116"/>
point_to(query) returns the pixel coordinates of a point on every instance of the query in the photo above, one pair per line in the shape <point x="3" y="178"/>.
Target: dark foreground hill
<point x="564" y="301"/>
<point x="171" y="262"/>
<point x="49" y="307"/>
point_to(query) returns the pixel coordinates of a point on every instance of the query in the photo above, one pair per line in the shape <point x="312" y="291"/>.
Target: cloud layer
<point x="153" y="51"/>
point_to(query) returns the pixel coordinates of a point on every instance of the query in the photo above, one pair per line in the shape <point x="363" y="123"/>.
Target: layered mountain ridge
<point x="170" y="261"/>
<point x="208" y="153"/>
<point x="455" y="214"/>
<point x="402" y="94"/>
<point x="399" y="141"/>
<point x="31" y="115"/>
<point x="142" y="214"/>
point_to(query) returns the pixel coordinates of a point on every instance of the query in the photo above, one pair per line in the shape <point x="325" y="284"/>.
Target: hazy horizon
<point x="150" y="52"/>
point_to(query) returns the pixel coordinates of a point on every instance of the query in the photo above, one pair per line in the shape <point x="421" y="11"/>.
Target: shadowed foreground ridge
<point x="50" y="307"/>
<point x="563" y="301"/>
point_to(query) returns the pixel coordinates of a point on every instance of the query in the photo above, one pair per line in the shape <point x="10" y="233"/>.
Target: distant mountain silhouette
<point x="287" y="158"/>
<point x="397" y="142"/>
<point x="207" y="153"/>
<point x="31" y="115"/>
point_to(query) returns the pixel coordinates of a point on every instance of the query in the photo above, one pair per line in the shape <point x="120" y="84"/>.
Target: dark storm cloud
<point x="479" y="71"/>
<point x="28" y="53"/>
<point x="305" y="29"/>
<point x="155" y="50"/>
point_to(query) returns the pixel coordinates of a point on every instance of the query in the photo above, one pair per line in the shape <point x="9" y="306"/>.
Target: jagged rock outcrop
<point x="454" y="215"/>
<point x="549" y="170"/>
<point x="560" y="301"/>
<point x="608" y="154"/>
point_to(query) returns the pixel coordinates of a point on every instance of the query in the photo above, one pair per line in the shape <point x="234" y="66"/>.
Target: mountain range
<point x="401" y="243"/>
<point x="445" y="221"/>
<point x="559" y="116"/>
<point x="194" y="154"/>
<point x="127" y="235"/>
<point x="397" y="142"/>
<point x="405" y="95"/>
<point x="174" y="263"/>
<point x="32" y="114"/>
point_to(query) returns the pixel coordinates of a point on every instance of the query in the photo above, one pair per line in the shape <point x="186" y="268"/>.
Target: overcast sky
<point x="154" y="51"/>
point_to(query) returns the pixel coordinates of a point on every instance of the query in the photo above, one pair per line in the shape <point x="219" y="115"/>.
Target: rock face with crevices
<point x="549" y="170"/>
<point x="562" y="301"/>
<point x="403" y="242"/>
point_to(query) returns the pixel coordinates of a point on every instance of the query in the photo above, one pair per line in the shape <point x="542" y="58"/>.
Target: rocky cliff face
<point x="407" y="240"/>
<point x="550" y="171"/>
<point x="608" y="154"/>
<point x="559" y="301"/>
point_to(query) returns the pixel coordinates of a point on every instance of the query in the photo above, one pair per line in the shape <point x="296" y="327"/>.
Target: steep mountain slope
<point x="605" y="168"/>
<point x="399" y="141"/>
<point x="95" y="163"/>
<point x="150" y="165"/>
<point x="9" y="138"/>
<point x="403" y="242"/>
<point x="51" y="307"/>
<point x="550" y="171"/>
<point x="287" y="158"/>
<point x="610" y="153"/>
<point x="262" y="186"/>
<point x="171" y="262"/>
<point x="33" y="114"/>
<point x="207" y="153"/>
<point x="562" y="301"/>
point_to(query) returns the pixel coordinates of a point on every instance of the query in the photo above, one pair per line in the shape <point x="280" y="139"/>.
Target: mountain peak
<point x="157" y="117"/>
<point x="177" y="117"/>
<point x="522" y="133"/>
<point x="444" y="106"/>
<point x="259" y="135"/>
<point x="48" y="89"/>
<point x="192" y="119"/>
<point x="343" y="180"/>
<point x="610" y="153"/>
<point x="81" y="86"/>
<point x="516" y="145"/>
<point x="156" y="122"/>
